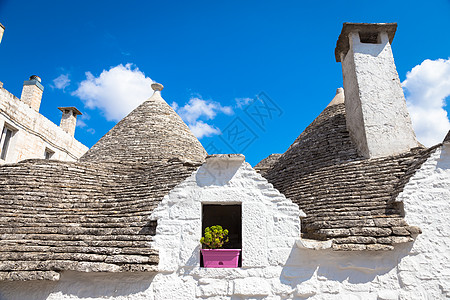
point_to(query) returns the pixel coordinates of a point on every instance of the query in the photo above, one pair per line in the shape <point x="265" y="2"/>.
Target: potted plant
<point x="214" y="257"/>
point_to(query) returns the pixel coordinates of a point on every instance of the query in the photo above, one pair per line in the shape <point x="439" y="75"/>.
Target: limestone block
<point x="186" y="210"/>
<point x="306" y="289"/>
<point x="286" y="226"/>
<point x="251" y="286"/>
<point x="279" y="256"/>
<point x="169" y="260"/>
<point x="212" y="287"/>
<point x="280" y="288"/>
<point x="172" y="287"/>
<point x="227" y="274"/>
<point x="388" y="295"/>
<point x="331" y="287"/>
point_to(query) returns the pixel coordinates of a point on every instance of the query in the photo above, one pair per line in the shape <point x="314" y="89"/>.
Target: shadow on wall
<point x="444" y="159"/>
<point x="312" y="269"/>
<point x="79" y="285"/>
<point x="216" y="172"/>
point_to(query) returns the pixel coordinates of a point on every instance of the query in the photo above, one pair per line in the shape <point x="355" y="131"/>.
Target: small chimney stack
<point x="69" y="119"/>
<point x="2" y="29"/>
<point x="377" y="116"/>
<point x="32" y="92"/>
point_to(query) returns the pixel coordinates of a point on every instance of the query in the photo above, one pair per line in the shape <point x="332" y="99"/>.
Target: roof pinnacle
<point x="157" y="86"/>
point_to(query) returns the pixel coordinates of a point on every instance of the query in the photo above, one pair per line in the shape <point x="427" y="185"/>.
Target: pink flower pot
<point x="220" y="258"/>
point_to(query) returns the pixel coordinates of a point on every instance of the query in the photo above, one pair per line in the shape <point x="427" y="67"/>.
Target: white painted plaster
<point x="426" y="198"/>
<point x="377" y="117"/>
<point x="285" y="271"/>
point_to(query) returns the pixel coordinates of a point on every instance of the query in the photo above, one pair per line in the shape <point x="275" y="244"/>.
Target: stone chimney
<point x="69" y="119"/>
<point x="377" y="117"/>
<point x="32" y="92"/>
<point x="2" y="29"/>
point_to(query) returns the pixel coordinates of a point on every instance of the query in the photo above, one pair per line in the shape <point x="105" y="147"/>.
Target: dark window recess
<point x="48" y="153"/>
<point x="6" y="137"/>
<point x="227" y="216"/>
<point x="369" y="37"/>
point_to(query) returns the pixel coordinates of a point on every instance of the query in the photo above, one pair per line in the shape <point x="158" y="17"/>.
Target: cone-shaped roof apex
<point x="153" y="130"/>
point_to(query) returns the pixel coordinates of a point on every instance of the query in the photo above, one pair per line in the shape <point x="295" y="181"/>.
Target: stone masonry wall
<point x="34" y="133"/>
<point x="275" y="264"/>
<point x="425" y="273"/>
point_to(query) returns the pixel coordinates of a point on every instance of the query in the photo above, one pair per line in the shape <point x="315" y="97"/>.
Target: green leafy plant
<point x="215" y="237"/>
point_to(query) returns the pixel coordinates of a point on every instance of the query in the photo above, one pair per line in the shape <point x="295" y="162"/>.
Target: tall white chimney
<point x="69" y="119"/>
<point x="377" y="117"/>
<point x="32" y="92"/>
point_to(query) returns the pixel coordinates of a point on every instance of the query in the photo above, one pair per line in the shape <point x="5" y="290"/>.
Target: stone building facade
<point x="26" y="134"/>
<point x="337" y="216"/>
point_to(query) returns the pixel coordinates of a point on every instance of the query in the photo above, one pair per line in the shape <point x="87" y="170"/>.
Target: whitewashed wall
<point x="425" y="273"/>
<point x="281" y="269"/>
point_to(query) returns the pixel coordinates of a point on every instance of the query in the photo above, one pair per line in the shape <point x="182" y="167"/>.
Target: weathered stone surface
<point x="36" y="133"/>
<point x="151" y="131"/>
<point x="345" y="197"/>
<point x="87" y="217"/>
<point x="267" y="163"/>
<point x="251" y="287"/>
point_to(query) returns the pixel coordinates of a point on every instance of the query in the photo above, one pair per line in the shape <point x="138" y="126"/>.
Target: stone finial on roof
<point x="157" y="87"/>
<point x="152" y="131"/>
<point x="338" y="98"/>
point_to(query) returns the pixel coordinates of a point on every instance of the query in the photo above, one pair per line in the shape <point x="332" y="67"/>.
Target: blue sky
<point x="213" y="57"/>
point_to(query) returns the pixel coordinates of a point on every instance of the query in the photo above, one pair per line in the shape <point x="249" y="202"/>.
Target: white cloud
<point x="61" y="82"/>
<point x="116" y="92"/>
<point x="427" y="86"/>
<point x="81" y="120"/>
<point x="201" y="129"/>
<point x="197" y="109"/>
<point x="174" y="105"/>
<point x="81" y="123"/>
<point x="241" y="102"/>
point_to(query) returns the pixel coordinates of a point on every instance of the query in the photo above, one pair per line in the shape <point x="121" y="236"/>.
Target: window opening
<point x="229" y="217"/>
<point x="369" y="38"/>
<point x="48" y="153"/>
<point x="5" y="140"/>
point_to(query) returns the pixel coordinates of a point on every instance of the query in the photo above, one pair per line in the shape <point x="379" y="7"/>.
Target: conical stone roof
<point x="152" y="131"/>
<point x="347" y="199"/>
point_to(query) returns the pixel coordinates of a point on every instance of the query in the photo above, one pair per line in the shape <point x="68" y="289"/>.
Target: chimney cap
<point x="73" y="109"/>
<point x="157" y="86"/>
<point x="35" y="77"/>
<point x="342" y="44"/>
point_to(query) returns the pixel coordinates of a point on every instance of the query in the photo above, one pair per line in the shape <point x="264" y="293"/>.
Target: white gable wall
<point x="268" y="218"/>
<point x="425" y="273"/>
